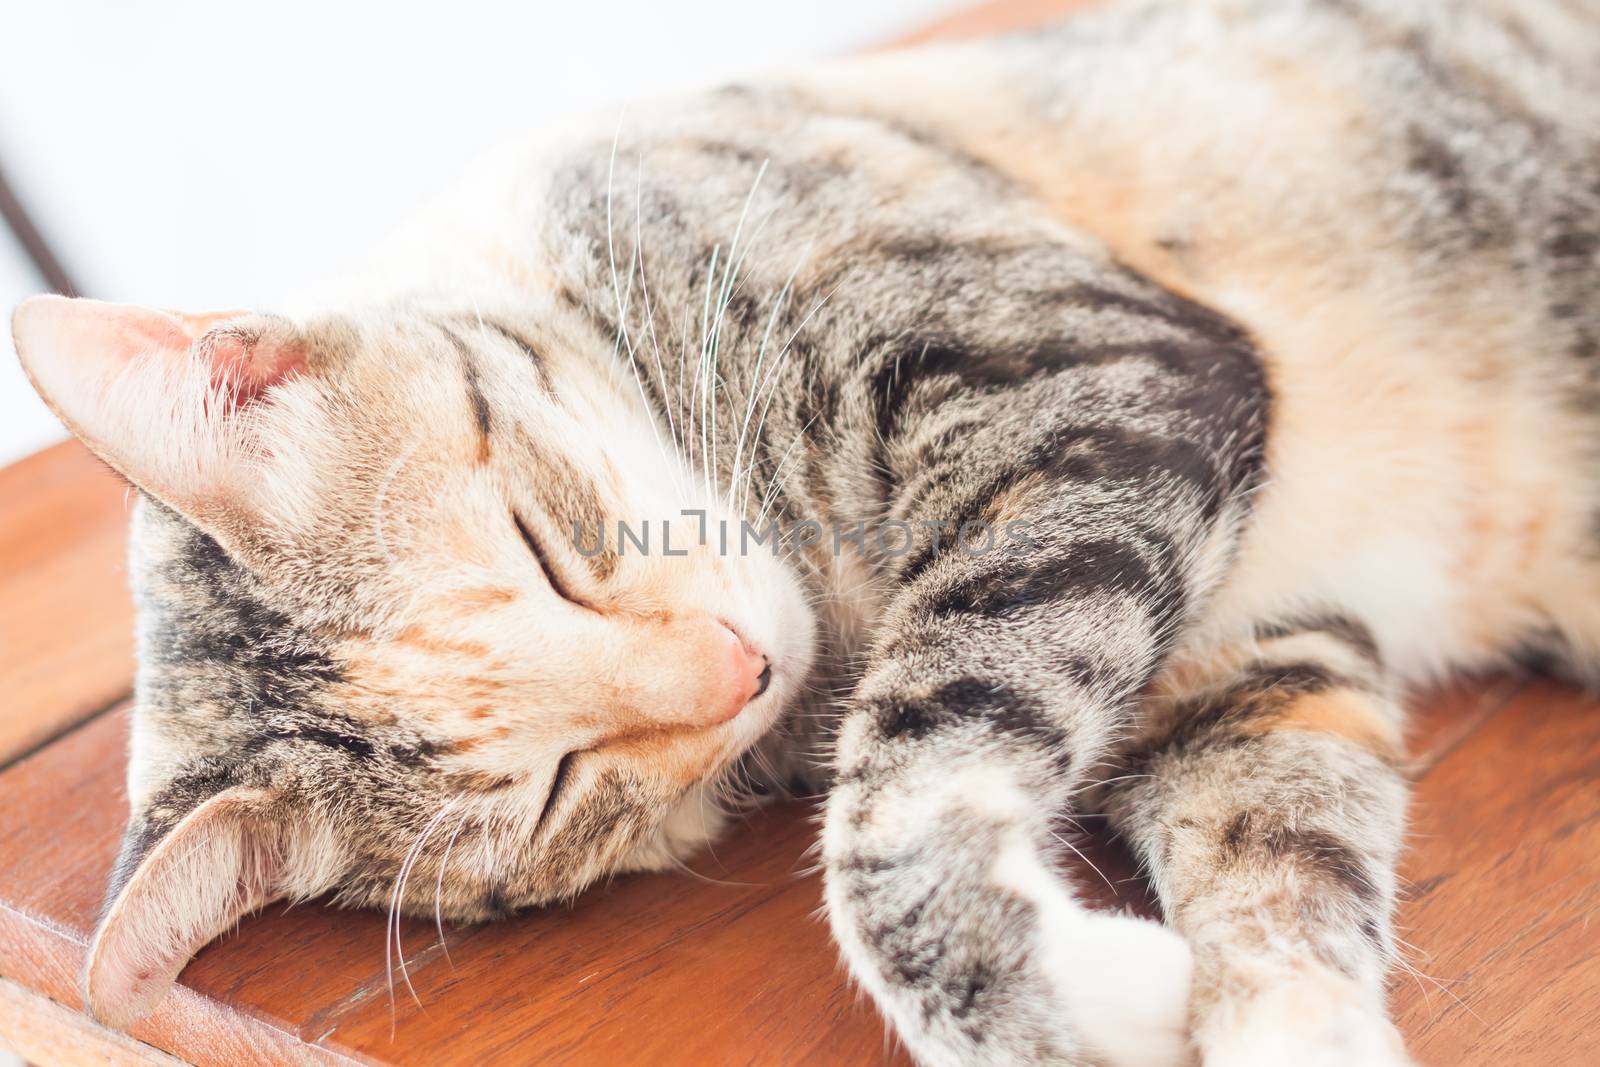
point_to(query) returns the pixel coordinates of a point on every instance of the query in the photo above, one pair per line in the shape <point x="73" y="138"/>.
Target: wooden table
<point x="731" y="965"/>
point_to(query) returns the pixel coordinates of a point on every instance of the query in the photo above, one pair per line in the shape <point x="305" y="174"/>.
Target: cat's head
<point x="380" y="652"/>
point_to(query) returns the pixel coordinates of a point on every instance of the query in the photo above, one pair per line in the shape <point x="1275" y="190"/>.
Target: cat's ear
<point x="158" y="395"/>
<point x="173" y="892"/>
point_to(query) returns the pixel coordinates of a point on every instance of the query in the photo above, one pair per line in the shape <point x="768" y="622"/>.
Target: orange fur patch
<point x="484" y="596"/>
<point x="417" y="637"/>
<point x="1342" y="713"/>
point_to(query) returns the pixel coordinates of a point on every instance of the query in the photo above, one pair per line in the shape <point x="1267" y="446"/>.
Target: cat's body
<point x="1336" y="202"/>
<point x="1274" y="329"/>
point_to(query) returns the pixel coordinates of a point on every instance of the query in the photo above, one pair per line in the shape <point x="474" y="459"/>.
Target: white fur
<point x="1123" y="981"/>
<point x="1307" y="1017"/>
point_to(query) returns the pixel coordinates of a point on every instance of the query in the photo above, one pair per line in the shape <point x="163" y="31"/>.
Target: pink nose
<point x="749" y="672"/>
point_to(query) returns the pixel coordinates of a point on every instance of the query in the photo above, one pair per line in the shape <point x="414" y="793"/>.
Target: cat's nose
<point x="699" y="671"/>
<point x="749" y="671"/>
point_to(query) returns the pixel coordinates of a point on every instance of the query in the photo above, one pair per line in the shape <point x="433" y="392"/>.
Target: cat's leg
<point x="1268" y="805"/>
<point x="1000" y="686"/>
<point x="1093" y="455"/>
<point x="943" y="897"/>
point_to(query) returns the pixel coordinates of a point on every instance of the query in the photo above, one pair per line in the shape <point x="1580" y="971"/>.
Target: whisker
<point x="777" y="476"/>
<point x="729" y="273"/>
<point x="700" y="369"/>
<point x="650" y="315"/>
<point x="393" y="926"/>
<point x="1076" y="851"/>
<point x="438" y="889"/>
<point x="783" y="355"/>
<point x="624" y="340"/>
<point x="757" y="382"/>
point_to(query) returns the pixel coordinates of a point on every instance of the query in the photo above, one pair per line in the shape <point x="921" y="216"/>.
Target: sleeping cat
<point x="1110" y="418"/>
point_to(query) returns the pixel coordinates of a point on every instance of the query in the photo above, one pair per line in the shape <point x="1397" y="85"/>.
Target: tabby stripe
<point x="535" y="358"/>
<point x="1269" y="699"/>
<point x="1252" y="836"/>
<point x="964" y="702"/>
<point x="474" y="379"/>
<point x="1021" y="582"/>
<point x="1077" y="454"/>
<point x="1169" y="310"/>
<point x="1342" y="628"/>
<point x="1262" y="690"/>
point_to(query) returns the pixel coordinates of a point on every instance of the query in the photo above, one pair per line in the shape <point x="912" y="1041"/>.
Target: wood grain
<point x="44" y="1032"/>
<point x="66" y="622"/>
<point x="716" y="966"/>
<point x="1504" y="869"/>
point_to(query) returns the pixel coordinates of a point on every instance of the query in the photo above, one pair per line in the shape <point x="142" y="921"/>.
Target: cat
<point x="1141" y="404"/>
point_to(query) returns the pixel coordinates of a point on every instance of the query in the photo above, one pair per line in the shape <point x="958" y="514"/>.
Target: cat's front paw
<point x="1125" y="983"/>
<point x="1308" y="1018"/>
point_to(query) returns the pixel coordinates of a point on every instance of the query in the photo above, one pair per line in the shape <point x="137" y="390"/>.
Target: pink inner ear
<point x="235" y="343"/>
<point x="74" y="347"/>
<point x="245" y="362"/>
<point x="52" y="330"/>
<point x="122" y="378"/>
<point x="240" y="356"/>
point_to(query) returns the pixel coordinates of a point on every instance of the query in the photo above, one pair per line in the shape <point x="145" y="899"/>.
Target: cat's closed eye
<point x="552" y="575"/>
<point x="562" y="775"/>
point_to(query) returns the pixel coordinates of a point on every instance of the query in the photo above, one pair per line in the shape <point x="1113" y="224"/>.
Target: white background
<point x="203" y="155"/>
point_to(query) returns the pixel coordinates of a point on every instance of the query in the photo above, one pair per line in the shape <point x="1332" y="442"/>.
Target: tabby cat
<point x="1141" y="405"/>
